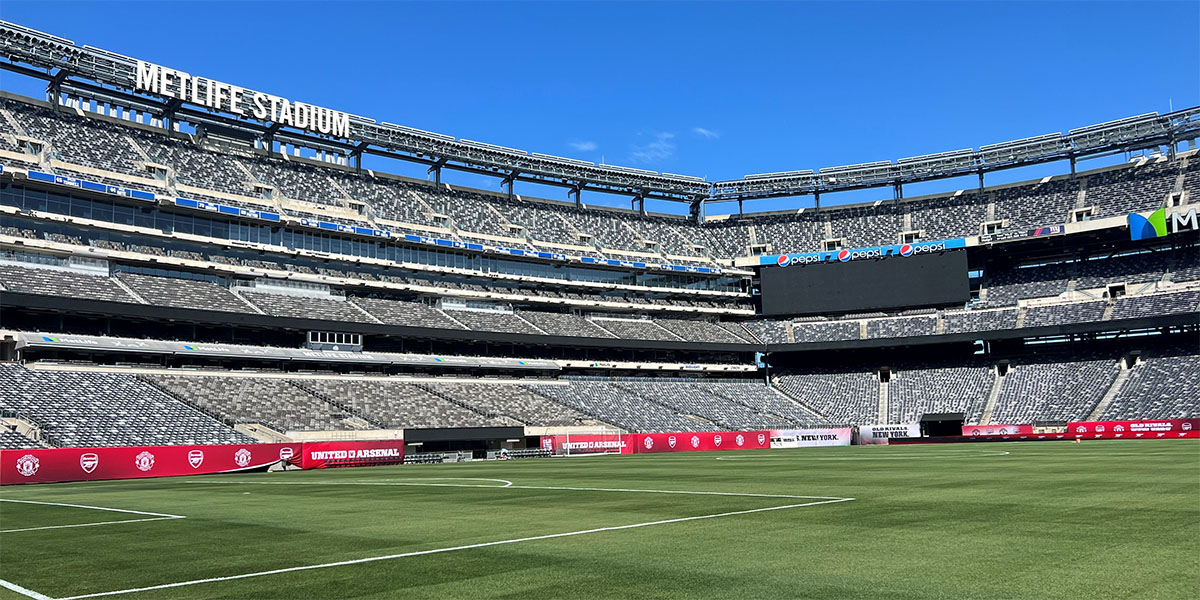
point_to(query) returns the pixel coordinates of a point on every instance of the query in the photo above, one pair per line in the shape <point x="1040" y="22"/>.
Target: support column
<point x="981" y="181"/>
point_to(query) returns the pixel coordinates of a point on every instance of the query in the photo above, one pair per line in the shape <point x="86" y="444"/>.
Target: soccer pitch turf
<point x="1101" y="519"/>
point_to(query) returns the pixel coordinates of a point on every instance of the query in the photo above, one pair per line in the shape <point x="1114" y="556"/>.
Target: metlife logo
<point x="1159" y="223"/>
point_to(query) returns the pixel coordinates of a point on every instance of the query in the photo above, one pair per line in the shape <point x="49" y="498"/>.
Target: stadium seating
<point x="607" y="403"/>
<point x="920" y="389"/>
<point x="1161" y="386"/>
<point x="398" y="405"/>
<point x="11" y="440"/>
<point x="513" y="401"/>
<point x="842" y="397"/>
<point x="1066" y="389"/>
<point x="106" y="409"/>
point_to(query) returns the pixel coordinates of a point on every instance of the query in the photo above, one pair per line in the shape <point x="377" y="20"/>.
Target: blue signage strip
<point x="913" y="249"/>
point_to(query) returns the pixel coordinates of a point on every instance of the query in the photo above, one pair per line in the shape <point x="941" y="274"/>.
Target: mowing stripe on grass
<point x="358" y="561"/>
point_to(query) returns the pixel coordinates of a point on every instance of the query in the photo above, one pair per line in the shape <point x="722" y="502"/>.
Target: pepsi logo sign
<point x="843" y="255"/>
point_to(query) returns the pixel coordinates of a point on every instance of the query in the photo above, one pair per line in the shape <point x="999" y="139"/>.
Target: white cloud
<point x="584" y="146"/>
<point x="706" y="133"/>
<point x="659" y="148"/>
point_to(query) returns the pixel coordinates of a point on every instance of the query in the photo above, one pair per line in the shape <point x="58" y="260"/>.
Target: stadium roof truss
<point x="108" y="77"/>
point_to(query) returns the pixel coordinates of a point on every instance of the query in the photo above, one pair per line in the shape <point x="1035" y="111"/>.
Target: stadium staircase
<point x="350" y="410"/>
<point x="220" y="418"/>
<point x="790" y="398"/>
<point x="247" y="302"/>
<point x="1113" y="390"/>
<point x="128" y="290"/>
<point x="883" y="403"/>
<point x="26" y="426"/>
<point x="262" y="433"/>
<point x="688" y="416"/>
<point x="451" y="399"/>
<point x="993" y="397"/>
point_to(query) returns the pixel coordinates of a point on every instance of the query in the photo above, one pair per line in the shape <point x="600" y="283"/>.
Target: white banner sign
<point x="879" y="434"/>
<point x="805" y="438"/>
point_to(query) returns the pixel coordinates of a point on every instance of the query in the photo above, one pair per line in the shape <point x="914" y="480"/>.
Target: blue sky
<point x="709" y="89"/>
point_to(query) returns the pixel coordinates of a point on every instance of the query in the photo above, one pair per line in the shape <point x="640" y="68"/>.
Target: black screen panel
<point x="862" y="285"/>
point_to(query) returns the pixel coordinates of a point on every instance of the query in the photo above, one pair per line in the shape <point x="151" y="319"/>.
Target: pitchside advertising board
<point x="858" y="285"/>
<point x="587" y="443"/>
<point x="809" y="438"/>
<point x="1156" y="429"/>
<point x="880" y="434"/>
<point x="977" y="430"/>
<point x="47" y="465"/>
<point x="701" y="441"/>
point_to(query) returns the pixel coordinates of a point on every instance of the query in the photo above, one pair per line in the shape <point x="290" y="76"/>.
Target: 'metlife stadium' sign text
<point x="171" y="83"/>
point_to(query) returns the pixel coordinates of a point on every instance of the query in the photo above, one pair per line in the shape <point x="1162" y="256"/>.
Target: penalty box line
<point x="359" y="561"/>
<point x="151" y="516"/>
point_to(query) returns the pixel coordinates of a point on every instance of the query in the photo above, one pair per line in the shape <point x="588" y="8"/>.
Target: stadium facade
<point x="188" y="262"/>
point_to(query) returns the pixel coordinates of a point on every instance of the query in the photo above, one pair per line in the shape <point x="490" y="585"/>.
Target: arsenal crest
<point x="286" y="452"/>
<point x="88" y="462"/>
<point x="144" y="461"/>
<point x="671" y="441"/>
<point x="717" y="440"/>
<point x="762" y="439"/>
<point x="28" y="465"/>
<point x="242" y="457"/>
<point x="195" y="457"/>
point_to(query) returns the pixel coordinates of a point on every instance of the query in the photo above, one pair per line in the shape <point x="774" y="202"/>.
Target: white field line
<point x="450" y="549"/>
<point x="8" y="585"/>
<point x="90" y="524"/>
<point x="986" y="453"/>
<point x="519" y="487"/>
<point x="152" y="516"/>
<point x="120" y="510"/>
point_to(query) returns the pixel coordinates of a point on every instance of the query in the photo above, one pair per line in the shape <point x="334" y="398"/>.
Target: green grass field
<point x="1029" y="520"/>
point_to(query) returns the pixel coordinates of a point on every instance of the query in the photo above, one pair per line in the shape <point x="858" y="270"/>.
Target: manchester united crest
<point x="144" y="461"/>
<point x="28" y="465"/>
<point x="242" y="457"/>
